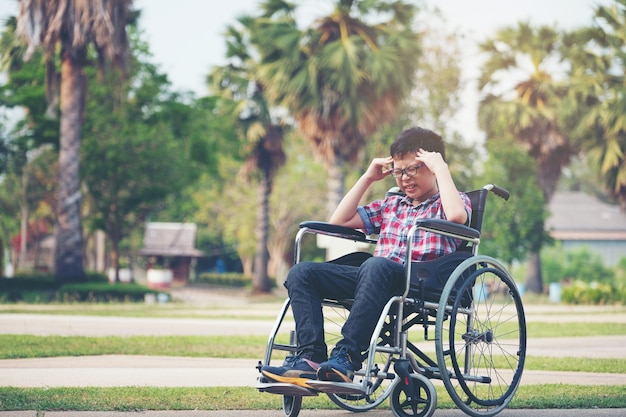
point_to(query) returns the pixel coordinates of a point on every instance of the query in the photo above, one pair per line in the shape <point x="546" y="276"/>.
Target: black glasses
<point x="409" y="171"/>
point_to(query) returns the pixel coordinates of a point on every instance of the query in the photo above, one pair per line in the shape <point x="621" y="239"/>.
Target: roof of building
<point x="170" y="239"/>
<point x="578" y="216"/>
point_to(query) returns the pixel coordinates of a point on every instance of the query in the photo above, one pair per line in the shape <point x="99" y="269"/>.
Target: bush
<point x="577" y="264"/>
<point x="97" y="292"/>
<point x="580" y="292"/>
<point x="38" y="288"/>
<point x="228" y="279"/>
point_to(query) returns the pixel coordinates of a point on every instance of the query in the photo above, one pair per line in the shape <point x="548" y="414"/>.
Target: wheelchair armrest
<point x="335" y="230"/>
<point x="448" y="227"/>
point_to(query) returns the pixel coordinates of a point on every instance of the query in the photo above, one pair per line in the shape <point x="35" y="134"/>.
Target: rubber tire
<point x="292" y="405"/>
<point x="426" y="392"/>
<point x="506" y="319"/>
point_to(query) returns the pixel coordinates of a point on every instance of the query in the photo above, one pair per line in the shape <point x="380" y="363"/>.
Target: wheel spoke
<point x="482" y="348"/>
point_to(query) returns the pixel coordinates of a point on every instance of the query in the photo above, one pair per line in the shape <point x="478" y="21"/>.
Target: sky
<point x="186" y="36"/>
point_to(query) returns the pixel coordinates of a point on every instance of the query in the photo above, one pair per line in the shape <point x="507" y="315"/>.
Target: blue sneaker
<point x="338" y="368"/>
<point x="295" y="370"/>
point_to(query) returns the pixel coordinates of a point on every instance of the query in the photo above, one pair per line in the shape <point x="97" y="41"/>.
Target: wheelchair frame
<point x="479" y="382"/>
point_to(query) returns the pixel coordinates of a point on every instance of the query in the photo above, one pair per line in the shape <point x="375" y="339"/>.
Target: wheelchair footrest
<point x="284" y="389"/>
<point x="330" y="387"/>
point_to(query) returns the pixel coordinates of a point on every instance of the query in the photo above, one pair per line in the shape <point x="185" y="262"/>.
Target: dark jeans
<point x="371" y="285"/>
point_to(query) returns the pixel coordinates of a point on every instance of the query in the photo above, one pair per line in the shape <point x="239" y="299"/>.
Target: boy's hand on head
<point x="379" y="168"/>
<point x="432" y="160"/>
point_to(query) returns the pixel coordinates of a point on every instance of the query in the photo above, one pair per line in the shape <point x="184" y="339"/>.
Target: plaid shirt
<point x="392" y="218"/>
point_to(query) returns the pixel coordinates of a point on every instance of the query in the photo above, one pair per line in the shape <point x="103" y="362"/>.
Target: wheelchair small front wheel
<point x="422" y="402"/>
<point x="480" y="336"/>
<point x="292" y="405"/>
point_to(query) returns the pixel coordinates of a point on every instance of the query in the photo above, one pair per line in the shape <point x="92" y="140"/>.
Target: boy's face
<point x="415" y="179"/>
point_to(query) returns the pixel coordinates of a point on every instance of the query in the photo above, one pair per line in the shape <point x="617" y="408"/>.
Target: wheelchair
<point x="479" y="338"/>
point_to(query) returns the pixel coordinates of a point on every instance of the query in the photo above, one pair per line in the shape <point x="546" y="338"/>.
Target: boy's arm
<point x="451" y="200"/>
<point x="346" y="212"/>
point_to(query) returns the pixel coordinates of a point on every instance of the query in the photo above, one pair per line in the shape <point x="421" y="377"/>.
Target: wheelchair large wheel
<point x="480" y="336"/>
<point x="422" y="402"/>
<point x="380" y="387"/>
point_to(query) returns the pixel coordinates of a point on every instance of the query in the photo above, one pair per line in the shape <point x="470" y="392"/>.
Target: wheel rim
<point x="421" y="403"/>
<point x="482" y="353"/>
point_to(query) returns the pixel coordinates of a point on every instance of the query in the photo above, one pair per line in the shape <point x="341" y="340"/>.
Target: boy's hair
<point x="412" y="139"/>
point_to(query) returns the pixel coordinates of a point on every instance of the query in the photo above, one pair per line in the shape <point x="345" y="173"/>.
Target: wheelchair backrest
<point x="479" y="200"/>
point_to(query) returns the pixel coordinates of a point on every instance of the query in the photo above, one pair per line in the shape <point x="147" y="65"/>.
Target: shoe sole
<point x="335" y="376"/>
<point x="299" y="381"/>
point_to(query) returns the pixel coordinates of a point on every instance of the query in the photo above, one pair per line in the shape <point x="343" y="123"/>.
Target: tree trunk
<point x="550" y="166"/>
<point x="534" y="279"/>
<point x="68" y="230"/>
<point x="115" y="260"/>
<point x="21" y="259"/>
<point x="336" y="179"/>
<point x="261" y="282"/>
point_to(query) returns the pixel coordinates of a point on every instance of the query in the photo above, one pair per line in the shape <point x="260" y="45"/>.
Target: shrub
<point x="577" y="264"/>
<point x="228" y="279"/>
<point x="98" y="292"/>
<point x="38" y="288"/>
<point x="580" y="292"/>
<point x="35" y="288"/>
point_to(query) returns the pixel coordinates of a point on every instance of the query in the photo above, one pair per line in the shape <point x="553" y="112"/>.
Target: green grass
<point x="29" y="346"/>
<point x="549" y="329"/>
<point x="237" y="398"/>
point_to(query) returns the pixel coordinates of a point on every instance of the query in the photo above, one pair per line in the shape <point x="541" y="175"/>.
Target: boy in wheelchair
<point x="417" y="163"/>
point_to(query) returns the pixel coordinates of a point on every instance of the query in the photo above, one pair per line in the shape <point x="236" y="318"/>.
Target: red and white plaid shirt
<point x="392" y="218"/>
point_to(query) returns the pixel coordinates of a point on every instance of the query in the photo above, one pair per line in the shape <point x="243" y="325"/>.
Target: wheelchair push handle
<point x="499" y="191"/>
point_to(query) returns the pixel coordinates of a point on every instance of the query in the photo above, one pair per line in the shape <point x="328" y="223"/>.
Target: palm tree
<point x="532" y="113"/>
<point x="342" y="78"/>
<point x="68" y="28"/>
<point x="599" y="83"/>
<point x="263" y="133"/>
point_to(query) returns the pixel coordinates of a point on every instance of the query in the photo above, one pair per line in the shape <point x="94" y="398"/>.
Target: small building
<point x="581" y="220"/>
<point x="171" y="246"/>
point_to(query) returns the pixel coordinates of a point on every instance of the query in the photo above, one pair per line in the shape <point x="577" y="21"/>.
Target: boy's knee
<point x="376" y="263"/>
<point x="298" y="273"/>
<point x="377" y="268"/>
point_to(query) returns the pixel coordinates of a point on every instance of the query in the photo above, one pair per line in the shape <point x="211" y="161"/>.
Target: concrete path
<point x="167" y="371"/>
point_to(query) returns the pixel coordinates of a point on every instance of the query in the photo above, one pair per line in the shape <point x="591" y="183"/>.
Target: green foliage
<point x="579" y="264"/>
<point x="96" y="292"/>
<point x="26" y="88"/>
<point x="27" y="288"/>
<point x="585" y="277"/>
<point x="38" y="288"/>
<point x="512" y="228"/>
<point x="620" y="272"/>
<point x="595" y="108"/>
<point x="598" y="293"/>
<point x="227" y="279"/>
